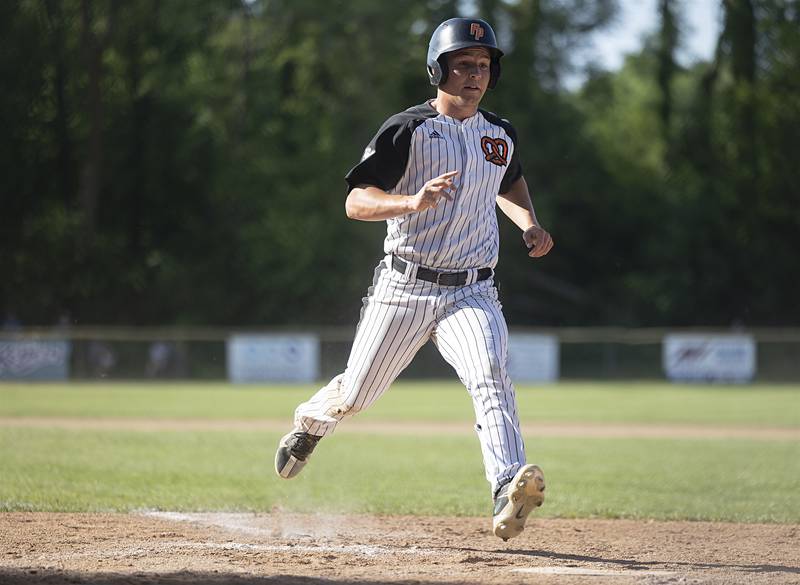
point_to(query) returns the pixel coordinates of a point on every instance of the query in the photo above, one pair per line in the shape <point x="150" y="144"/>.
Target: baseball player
<point x="434" y="173"/>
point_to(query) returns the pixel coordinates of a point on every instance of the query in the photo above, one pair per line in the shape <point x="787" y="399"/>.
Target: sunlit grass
<point x="59" y="470"/>
<point x="757" y="405"/>
<point x="70" y="470"/>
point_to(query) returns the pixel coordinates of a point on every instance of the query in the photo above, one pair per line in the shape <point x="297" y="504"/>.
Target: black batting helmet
<point x="460" y="33"/>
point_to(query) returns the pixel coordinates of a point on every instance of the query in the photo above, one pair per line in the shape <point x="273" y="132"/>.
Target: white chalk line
<point x="591" y="572"/>
<point x="172" y="546"/>
<point x="243" y="523"/>
<point x="239" y="523"/>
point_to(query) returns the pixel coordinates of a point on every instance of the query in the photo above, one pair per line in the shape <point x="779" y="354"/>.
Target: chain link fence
<point x="200" y="353"/>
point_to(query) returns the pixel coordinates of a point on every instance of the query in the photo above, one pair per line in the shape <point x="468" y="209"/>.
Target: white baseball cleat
<point x="516" y="500"/>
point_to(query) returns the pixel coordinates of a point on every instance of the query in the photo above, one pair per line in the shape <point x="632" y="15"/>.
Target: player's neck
<point x="449" y="108"/>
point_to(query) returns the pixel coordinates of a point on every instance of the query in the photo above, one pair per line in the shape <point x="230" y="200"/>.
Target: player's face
<point x="468" y="75"/>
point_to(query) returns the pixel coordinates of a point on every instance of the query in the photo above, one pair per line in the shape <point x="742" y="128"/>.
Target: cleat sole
<point x="526" y="494"/>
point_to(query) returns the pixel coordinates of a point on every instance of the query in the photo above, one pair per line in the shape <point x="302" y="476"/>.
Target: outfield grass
<point x="757" y="405"/>
<point x="57" y="470"/>
<point x="109" y="470"/>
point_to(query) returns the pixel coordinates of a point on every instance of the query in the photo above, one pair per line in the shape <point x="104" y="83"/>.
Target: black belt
<point x="441" y="278"/>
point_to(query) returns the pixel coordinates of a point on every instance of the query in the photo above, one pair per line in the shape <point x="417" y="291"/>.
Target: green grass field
<point x="57" y="469"/>
<point x="624" y="402"/>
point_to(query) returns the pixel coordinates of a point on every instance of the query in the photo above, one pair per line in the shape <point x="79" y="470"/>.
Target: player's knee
<point x="354" y="409"/>
<point x="343" y="409"/>
<point x="490" y="370"/>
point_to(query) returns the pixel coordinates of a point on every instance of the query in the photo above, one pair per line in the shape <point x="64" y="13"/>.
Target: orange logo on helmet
<point x="496" y="150"/>
<point x="476" y="31"/>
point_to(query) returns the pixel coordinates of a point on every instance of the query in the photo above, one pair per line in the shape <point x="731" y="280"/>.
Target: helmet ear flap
<point x="437" y="70"/>
<point x="436" y="73"/>
<point x="442" y="62"/>
<point x="494" y="72"/>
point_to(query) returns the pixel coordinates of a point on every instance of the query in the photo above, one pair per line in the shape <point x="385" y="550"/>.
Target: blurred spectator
<point x="64" y="320"/>
<point x="101" y="359"/>
<point x="166" y="359"/>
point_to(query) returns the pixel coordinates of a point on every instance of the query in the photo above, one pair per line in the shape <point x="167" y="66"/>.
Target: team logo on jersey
<point x="476" y="31"/>
<point x="435" y="134"/>
<point x="495" y="150"/>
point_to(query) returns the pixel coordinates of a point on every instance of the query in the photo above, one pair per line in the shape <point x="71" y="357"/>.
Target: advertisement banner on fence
<point x="34" y="360"/>
<point x="533" y="357"/>
<point x="273" y="358"/>
<point x="709" y="357"/>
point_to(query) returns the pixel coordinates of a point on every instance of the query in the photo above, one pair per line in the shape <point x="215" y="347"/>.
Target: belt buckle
<point x="438" y="278"/>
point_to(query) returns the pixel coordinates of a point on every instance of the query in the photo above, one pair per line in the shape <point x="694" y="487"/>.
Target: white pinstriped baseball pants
<point x="466" y="323"/>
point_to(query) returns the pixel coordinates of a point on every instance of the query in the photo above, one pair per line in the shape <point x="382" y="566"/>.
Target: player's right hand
<point x="433" y="192"/>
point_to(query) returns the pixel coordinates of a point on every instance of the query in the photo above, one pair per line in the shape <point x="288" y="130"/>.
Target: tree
<point x="183" y="162"/>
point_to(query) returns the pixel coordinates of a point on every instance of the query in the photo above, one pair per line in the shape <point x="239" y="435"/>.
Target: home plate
<point x="588" y="572"/>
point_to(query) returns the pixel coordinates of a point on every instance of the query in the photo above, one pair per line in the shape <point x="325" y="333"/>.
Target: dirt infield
<point x="220" y="549"/>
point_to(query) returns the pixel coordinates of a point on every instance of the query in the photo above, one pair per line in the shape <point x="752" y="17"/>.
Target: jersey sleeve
<point x="385" y="158"/>
<point x="514" y="170"/>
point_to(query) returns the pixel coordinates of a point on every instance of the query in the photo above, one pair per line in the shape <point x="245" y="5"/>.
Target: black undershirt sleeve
<point x="514" y="170"/>
<point x="386" y="156"/>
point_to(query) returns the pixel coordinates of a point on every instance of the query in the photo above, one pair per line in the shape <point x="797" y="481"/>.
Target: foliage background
<point x="181" y="162"/>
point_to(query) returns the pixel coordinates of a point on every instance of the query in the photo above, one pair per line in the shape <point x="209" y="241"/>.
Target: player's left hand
<point x="538" y="240"/>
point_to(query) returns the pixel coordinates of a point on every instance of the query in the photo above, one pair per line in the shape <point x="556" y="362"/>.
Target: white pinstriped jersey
<point x="417" y="145"/>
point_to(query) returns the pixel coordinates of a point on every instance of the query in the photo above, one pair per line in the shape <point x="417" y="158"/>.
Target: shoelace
<point x="303" y="444"/>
